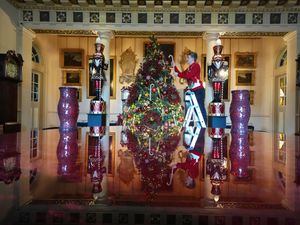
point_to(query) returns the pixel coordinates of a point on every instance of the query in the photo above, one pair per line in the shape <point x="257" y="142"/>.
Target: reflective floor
<point x="134" y="176"/>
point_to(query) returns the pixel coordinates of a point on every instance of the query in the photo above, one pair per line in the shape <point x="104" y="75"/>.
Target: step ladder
<point x="190" y="136"/>
<point x="193" y="113"/>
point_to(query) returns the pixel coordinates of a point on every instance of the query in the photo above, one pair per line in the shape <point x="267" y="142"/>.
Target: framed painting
<point x="245" y="77"/>
<point x="91" y="91"/>
<point x="226" y="87"/>
<point x="298" y="71"/>
<point x="251" y="97"/>
<point x="245" y="60"/>
<point x="111" y="154"/>
<point x="113" y="78"/>
<point x="168" y="48"/>
<point x="79" y="94"/>
<point x="72" y="58"/>
<point x="72" y="77"/>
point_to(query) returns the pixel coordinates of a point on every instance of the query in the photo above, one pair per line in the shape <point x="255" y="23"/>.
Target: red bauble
<point x="129" y="115"/>
<point x="154" y="89"/>
<point x="181" y="119"/>
<point x="166" y="110"/>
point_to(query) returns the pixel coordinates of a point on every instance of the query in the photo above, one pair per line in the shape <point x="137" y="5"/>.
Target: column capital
<point x="28" y="32"/>
<point x="105" y="34"/>
<point x="289" y="36"/>
<point x="210" y="36"/>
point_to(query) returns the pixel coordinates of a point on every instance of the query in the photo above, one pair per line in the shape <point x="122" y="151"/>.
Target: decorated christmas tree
<point x="152" y="157"/>
<point x="153" y="99"/>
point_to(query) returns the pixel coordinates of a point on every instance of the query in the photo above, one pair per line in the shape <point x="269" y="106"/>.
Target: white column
<point x="106" y="36"/>
<point x="292" y="51"/>
<point x="211" y="39"/>
<point x="24" y="47"/>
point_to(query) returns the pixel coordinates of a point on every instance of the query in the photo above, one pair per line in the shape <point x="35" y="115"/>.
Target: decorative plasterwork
<point x="128" y="63"/>
<point x="161" y="34"/>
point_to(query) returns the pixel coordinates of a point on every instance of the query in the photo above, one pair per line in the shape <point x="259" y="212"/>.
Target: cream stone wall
<point x="7" y="27"/>
<point x="267" y="50"/>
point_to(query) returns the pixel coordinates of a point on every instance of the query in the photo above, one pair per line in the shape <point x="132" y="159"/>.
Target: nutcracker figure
<point x="216" y="164"/>
<point x="97" y="66"/>
<point x="217" y="75"/>
<point x="96" y="167"/>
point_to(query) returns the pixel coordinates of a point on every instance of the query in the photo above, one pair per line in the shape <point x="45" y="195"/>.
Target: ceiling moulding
<point x="161" y="34"/>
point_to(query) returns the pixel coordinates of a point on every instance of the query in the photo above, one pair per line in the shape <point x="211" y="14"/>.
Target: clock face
<point x="12" y="70"/>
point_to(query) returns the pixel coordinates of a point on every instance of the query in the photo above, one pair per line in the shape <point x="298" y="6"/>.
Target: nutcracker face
<point x="99" y="48"/>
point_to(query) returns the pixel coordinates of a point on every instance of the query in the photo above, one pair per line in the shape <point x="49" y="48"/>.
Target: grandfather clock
<point x="10" y="75"/>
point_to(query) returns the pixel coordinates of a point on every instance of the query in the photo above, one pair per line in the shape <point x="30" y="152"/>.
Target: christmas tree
<point x="152" y="158"/>
<point x="153" y="103"/>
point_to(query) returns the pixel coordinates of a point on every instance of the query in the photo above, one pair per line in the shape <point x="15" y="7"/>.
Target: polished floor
<point x="125" y="177"/>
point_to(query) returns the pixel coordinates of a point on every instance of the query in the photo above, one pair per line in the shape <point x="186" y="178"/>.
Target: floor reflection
<point x="193" y="169"/>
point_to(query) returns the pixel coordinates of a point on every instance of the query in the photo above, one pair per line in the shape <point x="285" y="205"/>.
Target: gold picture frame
<point x="91" y="92"/>
<point x="245" y="77"/>
<point x="113" y="78"/>
<point x="79" y="94"/>
<point x="71" y="58"/>
<point x="246" y="60"/>
<point x="251" y="99"/>
<point x="111" y="154"/>
<point x="71" y="77"/>
<point x="204" y="77"/>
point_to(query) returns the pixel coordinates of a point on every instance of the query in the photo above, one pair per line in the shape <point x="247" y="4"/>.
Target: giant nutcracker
<point x="97" y="67"/>
<point x="217" y="75"/>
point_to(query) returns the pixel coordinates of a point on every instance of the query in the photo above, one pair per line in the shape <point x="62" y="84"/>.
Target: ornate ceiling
<point x="168" y="17"/>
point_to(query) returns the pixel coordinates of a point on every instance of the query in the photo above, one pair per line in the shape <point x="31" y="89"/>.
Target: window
<point x="281" y="61"/>
<point x="282" y="91"/>
<point x="34" y="87"/>
<point x="35" y="55"/>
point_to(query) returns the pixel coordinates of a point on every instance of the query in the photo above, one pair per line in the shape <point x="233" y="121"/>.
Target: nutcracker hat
<point x="99" y="42"/>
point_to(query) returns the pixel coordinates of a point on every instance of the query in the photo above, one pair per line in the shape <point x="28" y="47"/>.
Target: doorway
<point x="280" y="103"/>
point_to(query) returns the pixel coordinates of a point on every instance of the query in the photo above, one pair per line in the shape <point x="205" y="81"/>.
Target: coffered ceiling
<point x="157" y="4"/>
<point x="128" y="17"/>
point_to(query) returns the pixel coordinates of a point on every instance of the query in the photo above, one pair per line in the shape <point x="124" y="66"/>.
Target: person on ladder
<point x="195" y="85"/>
